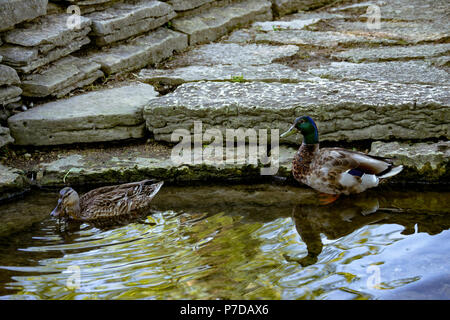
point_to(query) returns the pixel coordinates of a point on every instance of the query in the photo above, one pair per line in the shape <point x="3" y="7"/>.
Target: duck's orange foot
<point x="326" y="199"/>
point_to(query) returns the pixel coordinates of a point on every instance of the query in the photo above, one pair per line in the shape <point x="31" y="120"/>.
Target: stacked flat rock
<point x="44" y="40"/>
<point x="186" y="5"/>
<point x="9" y="92"/>
<point x="124" y="20"/>
<point x="134" y="54"/>
<point x="105" y="115"/>
<point x="215" y="22"/>
<point x="5" y="137"/>
<point x="61" y="77"/>
<point x="13" y="12"/>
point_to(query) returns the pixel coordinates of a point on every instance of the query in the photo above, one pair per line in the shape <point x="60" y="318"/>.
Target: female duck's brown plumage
<point x="335" y="170"/>
<point x="119" y="201"/>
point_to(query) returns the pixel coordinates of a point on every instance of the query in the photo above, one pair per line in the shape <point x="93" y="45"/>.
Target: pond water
<point x="234" y="242"/>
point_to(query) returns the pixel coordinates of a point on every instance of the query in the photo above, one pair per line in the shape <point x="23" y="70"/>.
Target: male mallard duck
<point x="119" y="201"/>
<point x="335" y="171"/>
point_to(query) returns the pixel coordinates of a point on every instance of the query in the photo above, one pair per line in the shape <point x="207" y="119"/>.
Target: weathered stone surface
<point x="284" y="7"/>
<point x="349" y="111"/>
<point x="302" y="37"/>
<point x="8" y="76"/>
<point x="393" y="71"/>
<point x="183" y="5"/>
<point x="93" y="168"/>
<point x="124" y="20"/>
<point x="278" y="25"/>
<point x="13" y="12"/>
<point x="111" y="114"/>
<point x="61" y="77"/>
<point x="140" y="52"/>
<point x="409" y="31"/>
<point x="394" y="52"/>
<point x="235" y="54"/>
<point x="5" y="137"/>
<point x="425" y="161"/>
<point x="234" y="73"/>
<point x="12" y="182"/>
<point x="217" y="21"/>
<point x="412" y="10"/>
<point x="41" y="42"/>
<point x="9" y="94"/>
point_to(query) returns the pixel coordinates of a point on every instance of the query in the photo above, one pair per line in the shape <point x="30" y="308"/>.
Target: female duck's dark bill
<point x="55" y="212"/>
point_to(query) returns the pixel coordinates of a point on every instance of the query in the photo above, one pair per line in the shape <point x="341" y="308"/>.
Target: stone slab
<point x="394" y="53"/>
<point x="278" y="25"/>
<point x="39" y="43"/>
<point x="423" y="162"/>
<point x="140" y="52"/>
<point x="217" y="21"/>
<point x="61" y="77"/>
<point x="302" y="37"/>
<point x="234" y="54"/>
<point x="349" y="111"/>
<point x="8" y="76"/>
<point x="405" y="31"/>
<point x="12" y="182"/>
<point x="106" y="115"/>
<point x="13" y="12"/>
<point x="47" y="31"/>
<point x="235" y="73"/>
<point x="185" y="5"/>
<point x="124" y="20"/>
<point x="284" y="7"/>
<point x="393" y="71"/>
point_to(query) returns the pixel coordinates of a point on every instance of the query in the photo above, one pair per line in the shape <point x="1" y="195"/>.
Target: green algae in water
<point x="237" y="242"/>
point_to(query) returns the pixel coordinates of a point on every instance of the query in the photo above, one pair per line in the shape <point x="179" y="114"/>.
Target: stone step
<point x="124" y="20"/>
<point x="132" y="163"/>
<point x="13" y="12"/>
<point x="140" y="52"/>
<point x="233" y="54"/>
<point x="350" y="111"/>
<point x="217" y="21"/>
<point x="235" y="73"/>
<point x="303" y="37"/>
<point x="418" y="72"/>
<point x="183" y="5"/>
<point x="105" y="115"/>
<point x="393" y="53"/>
<point x="45" y="40"/>
<point x="425" y="161"/>
<point x="61" y="77"/>
<point x="284" y="7"/>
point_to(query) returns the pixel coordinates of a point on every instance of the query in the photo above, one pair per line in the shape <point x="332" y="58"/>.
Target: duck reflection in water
<point x="348" y="214"/>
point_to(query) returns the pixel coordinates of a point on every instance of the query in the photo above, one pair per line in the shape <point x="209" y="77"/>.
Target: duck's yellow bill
<point x="292" y="130"/>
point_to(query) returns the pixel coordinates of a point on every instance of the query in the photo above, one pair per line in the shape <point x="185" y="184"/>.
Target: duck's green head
<point x="307" y="127"/>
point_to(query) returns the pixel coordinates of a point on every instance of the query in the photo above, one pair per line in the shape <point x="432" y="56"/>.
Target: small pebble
<point x="27" y="155"/>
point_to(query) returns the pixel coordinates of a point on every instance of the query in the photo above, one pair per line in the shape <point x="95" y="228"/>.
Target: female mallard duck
<point x="120" y="201"/>
<point x="335" y="171"/>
